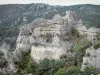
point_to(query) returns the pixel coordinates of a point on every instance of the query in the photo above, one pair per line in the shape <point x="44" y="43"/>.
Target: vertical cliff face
<point x="6" y="64"/>
<point x="49" y="44"/>
<point x="91" y="58"/>
<point x="73" y="19"/>
<point x="47" y="38"/>
<point x="23" y="43"/>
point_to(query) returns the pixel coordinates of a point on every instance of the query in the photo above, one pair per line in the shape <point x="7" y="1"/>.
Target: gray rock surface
<point x="92" y="34"/>
<point x="47" y="38"/>
<point x="92" y="58"/>
<point x="6" y="64"/>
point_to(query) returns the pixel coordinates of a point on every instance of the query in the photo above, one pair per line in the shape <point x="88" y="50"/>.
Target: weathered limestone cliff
<point x="52" y="38"/>
<point x="92" y="34"/>
<point x="48" y="38"/>
<point x="6" y="64"/>
<point x="92" y="58"/>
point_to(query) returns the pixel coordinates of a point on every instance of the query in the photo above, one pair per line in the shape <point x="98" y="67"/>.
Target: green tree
<point x="75" y="32"/>
<point x="79" y="51"/>
<point x="52" y="66"/>
<point x="61" y="71"/>
<point x="43" y="67"/>
<point x="49" y="67"/>
<point x="26" y="65"/>
<point x="74" y="71"/>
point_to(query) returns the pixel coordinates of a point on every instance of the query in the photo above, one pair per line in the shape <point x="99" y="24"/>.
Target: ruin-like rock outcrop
<point x="48" y="38"/>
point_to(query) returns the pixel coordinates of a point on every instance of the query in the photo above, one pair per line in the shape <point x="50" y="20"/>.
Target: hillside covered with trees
<point x="19" y="14"/>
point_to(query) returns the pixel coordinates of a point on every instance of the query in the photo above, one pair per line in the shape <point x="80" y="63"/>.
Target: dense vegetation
<point x="79" y="51"/>
<point x="19" y="14"/>
<point x="8" y="31"/>
<point x="50" y="67"/>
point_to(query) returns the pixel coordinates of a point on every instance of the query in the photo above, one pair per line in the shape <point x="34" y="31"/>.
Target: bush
<point x="61" y="71"/>
<point x="79" y="51"/>
<point x="43" y="67"/>
<point x="91" y="70"/>
<point x="82" y="45"/>
<point x="75" y="32"/>
<point x="70" y="71"/>
<point x="97" y="46"/>
<point x="26" y="65"/>
<point x="48" y="67"/>
<point x="74" y="71"/>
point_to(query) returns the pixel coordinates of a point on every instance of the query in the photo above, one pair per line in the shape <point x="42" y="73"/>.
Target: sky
<point x="51" y="2"/>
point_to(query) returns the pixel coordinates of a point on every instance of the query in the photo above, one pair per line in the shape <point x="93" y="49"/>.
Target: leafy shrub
<point x="75" y="32"/>
<point x="91" y="70"/>
<point x="74" y="71"/>
<point x="43" y="67"/>
<point x="48" y="67"/>
<point x="82" y="45"/>
<point x="26" y="65"/>
<point x="61" y="71"/>
<point x="97" y="46"/>
<point x="79" y="51"/>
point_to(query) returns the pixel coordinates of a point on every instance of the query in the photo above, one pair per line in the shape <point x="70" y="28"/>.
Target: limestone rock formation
<point x="6" y="64"/>
<point x="92" y="58"/>
<point x="58" y="19"/>
<point x="47" y="38"/>
<point x="73" y="19"/>
<point x="92" y="34"/>
<point x="82" y="30"/>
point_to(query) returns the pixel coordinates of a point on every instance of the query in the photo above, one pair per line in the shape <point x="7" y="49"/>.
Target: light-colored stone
<point x="92" y="58"/>
<point x="47" y="36"/>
